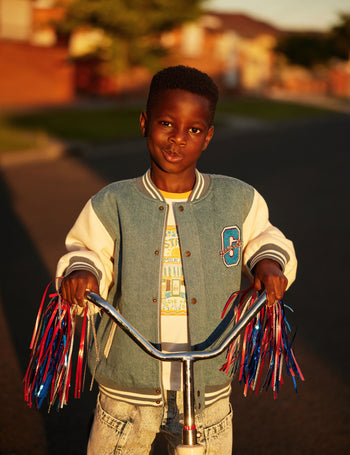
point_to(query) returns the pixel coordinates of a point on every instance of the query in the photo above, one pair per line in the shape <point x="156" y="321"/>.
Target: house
<point x="34" y="66"/>
<point x="236" y="49"/>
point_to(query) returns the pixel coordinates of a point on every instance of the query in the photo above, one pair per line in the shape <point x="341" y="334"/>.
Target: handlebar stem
<point x="189" y="432"/>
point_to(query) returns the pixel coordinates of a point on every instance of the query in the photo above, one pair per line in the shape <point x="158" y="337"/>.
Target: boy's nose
<point x="178" y="136"/>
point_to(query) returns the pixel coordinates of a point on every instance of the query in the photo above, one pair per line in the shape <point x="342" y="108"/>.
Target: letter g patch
<point x="231" y="245"/>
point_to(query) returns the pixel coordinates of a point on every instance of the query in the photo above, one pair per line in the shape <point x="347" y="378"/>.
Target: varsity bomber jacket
<point x="224" y="231"/>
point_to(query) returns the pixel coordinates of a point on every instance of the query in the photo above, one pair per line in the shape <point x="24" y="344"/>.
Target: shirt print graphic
<point x="173" y="286"/>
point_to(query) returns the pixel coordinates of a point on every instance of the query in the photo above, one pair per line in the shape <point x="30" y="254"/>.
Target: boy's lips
<point x="172" y="156"/>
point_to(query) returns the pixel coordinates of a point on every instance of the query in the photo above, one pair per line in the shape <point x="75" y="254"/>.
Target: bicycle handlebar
<point x="148" y="347"/>
<point x="189" y="432"/>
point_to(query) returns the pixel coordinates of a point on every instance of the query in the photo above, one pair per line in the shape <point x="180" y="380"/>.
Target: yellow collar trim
<point x="167" y="195"/>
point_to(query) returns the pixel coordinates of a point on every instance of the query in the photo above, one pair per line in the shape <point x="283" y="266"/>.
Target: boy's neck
<point x="172" y="183"/>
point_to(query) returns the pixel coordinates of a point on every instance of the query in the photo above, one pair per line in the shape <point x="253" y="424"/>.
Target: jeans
<point x="123" y="428"/>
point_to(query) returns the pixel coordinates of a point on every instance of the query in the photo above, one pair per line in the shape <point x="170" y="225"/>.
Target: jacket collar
<point x="147" y="186"/>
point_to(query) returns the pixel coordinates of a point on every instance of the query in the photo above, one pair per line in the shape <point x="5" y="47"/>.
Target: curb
<point x="51" y="151"/>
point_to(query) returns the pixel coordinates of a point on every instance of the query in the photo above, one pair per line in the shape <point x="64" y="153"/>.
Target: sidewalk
<point x="340" y="105"/>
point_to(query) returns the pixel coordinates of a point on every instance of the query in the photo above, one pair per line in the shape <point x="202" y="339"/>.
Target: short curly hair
<point x="183" y="78"/>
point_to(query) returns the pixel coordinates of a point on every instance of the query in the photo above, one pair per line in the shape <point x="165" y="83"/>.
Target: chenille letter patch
<point x="231" y="245"/>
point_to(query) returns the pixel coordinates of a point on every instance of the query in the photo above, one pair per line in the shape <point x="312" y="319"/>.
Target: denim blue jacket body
<point x="224" y="231"/>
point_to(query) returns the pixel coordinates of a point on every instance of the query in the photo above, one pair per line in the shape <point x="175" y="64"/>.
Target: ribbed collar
<point x="200" y="187"/>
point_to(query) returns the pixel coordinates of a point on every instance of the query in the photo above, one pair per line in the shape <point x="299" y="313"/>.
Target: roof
<point x="245" y="26"/>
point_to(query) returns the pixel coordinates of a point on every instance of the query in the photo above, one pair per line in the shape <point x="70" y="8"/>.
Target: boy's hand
<point x="269" y="276"/>
<point x="75" y="285"/>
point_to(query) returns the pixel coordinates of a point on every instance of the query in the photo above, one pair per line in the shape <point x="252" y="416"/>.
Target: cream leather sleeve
<point x="263" y="240"/>
<point x="89" y="247"/>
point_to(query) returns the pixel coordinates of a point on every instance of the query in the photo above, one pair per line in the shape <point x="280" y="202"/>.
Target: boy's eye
<point x="165" y="123"/>
<point x="195" y="130"/>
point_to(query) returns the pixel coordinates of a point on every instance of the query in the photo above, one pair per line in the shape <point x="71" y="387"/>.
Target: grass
<point x="69" y="124"/>
<point x="23" y="131"/>
<point x="13" y="138"/>
<point x="268" y="110"/>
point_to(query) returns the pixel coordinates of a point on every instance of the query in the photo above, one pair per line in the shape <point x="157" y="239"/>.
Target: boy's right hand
<point x="76" y="284"/>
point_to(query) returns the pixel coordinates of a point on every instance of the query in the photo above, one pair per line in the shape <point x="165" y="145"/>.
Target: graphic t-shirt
<point x="173" y="320"/>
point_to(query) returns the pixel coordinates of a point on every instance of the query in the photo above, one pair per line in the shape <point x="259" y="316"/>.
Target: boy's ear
<point x="144" y="123"/>
<point x="208" y="137"/>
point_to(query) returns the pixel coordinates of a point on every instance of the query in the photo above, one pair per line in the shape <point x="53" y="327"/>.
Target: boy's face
<point x="178" y="130"/>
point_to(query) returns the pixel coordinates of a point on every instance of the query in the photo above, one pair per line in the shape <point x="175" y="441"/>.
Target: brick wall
<point x="33" y="76"/>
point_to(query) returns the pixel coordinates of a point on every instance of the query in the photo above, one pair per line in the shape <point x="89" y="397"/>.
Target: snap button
<point x="156" y="252"/>
<point x="158" y="401"/>
<point x="157" y="390"/>
<point x="154" y="300"/>
<point x="181" y="208"/>
<point x="187" y="253"/>
<point x="193" y="301"/>
<point x="161" y="207"/>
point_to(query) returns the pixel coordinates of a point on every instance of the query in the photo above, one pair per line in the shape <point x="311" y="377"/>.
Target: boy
<point x="168" y="249"/>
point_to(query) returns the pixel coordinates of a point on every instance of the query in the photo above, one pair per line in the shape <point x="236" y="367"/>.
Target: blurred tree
<point x="305" y="49"/>
<point x="311" y="49"/>
<point x="131" y="28"/>
<point x="340" y="35"/>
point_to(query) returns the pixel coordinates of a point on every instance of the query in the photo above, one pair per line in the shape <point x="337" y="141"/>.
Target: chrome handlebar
<point x="148" y="347"/>
<point x="187" y="359"/>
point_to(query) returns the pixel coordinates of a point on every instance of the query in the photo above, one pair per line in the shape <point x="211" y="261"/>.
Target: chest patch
<point x="231" y="245"/>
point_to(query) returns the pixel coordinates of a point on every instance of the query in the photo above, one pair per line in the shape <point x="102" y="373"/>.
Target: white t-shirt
<point x="173" y="320"/>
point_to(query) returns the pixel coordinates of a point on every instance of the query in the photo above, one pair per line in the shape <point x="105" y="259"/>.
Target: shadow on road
<point x="23" y="278"/>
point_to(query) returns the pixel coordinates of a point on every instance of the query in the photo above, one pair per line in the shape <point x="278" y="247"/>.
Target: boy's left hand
<point x="269" y="276"/>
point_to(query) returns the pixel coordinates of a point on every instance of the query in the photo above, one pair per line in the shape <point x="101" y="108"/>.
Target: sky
<point x="288" y="14"/>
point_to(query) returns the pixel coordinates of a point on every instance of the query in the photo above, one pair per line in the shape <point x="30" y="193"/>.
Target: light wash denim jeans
<point x="123" y="428"/>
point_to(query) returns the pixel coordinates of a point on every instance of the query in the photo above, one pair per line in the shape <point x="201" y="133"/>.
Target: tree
<point x="132" y="28"/>
<point x="305" y="49"/>
<point x="311" y="49"/>
<point x="340" y="35"/>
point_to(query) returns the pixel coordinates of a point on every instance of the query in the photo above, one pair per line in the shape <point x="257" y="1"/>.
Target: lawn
<point x="268" y="110"/>
<point x="23" y="131"/>
<point x="18" y="131"/>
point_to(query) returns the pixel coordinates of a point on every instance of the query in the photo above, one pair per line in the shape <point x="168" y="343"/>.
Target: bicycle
<point x="265" y="345"/>
<point x="189" y="445"/>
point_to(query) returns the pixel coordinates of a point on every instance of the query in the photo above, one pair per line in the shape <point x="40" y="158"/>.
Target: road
<point x="301" y="168"/>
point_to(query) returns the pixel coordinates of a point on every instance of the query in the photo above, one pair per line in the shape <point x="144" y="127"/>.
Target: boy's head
<point x="183" y="78"/>
<point x="178" y="125"/>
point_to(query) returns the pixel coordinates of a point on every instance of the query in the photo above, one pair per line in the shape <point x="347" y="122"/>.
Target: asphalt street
<point x="302" y="170"/>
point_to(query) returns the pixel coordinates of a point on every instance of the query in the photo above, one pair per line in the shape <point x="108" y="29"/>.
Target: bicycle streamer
<point x="264" y="348"/>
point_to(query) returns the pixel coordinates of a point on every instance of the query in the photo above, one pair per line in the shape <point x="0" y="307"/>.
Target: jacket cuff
<point x="81" y="263"/>
<point x="273" y="252"/>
